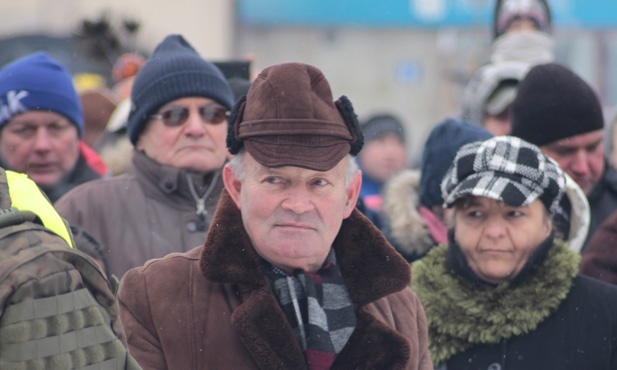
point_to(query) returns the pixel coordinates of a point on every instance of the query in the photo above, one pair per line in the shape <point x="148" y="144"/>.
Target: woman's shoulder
<point x="594" y="293"/>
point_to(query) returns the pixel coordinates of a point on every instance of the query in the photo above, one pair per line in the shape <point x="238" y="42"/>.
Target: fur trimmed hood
<point x="400" y="211"/>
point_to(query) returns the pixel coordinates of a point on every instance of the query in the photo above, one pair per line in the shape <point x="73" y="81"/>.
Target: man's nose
<point x="298" y="200"/>
<point x="194" y="125"/>
<point x="580" y="163"/>
<point x="42" y="140"/>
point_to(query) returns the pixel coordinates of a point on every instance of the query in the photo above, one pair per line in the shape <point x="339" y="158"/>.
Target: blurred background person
<point x="177" y="125"/>
<point x="413" y="206"/>
<point x="559" y="112"/>
<point x="522" y="39"/>
<point x="384" y="154"/>
<point x="490" y="93"/>
<point x="42" y="124"/>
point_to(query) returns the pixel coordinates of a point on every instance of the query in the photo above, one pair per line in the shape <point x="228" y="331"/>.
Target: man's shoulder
<point x="171" y="276"/>
<point x="402" y="303"/>
<point x="172" y="265"/>
<point x="97" y="190"/>
<point x="610" y="179"/>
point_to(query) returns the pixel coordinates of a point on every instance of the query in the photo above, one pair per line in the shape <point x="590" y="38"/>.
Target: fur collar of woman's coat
<point x="400" y="211"/>
<point x="460" y="314"/>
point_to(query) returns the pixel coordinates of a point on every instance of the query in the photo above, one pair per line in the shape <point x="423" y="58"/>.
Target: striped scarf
<point x="318" y="307"/>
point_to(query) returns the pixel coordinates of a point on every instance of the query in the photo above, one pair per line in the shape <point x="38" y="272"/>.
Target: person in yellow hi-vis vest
<point x="58" y="311"/>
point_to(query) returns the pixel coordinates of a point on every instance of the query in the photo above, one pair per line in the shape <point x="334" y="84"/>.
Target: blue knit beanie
<point x="174" y="71"/>
<point x="38" y="82"/>
<point x="439" y="151"/>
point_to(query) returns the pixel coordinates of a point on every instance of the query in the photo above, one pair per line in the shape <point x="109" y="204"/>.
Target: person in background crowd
<point x="503" y="292"/>
<point x="489" y="94"/>
<point x="600" y="257"/>
<point x="123" y="73"/>
<point x="413" y="207"/>
<point x="522" y="39"/>
<point x="559" y="112"/>
<point x="520" y="16"/>
<point x="384" y="154"/>
<point x="98" y="104"/>
<point x="41" y="126"/>
<point x="177" y="125"/>
<point x="291" y="276"/>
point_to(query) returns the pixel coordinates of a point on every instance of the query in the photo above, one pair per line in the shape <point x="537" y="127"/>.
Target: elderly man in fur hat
<point x="291" y="275"/>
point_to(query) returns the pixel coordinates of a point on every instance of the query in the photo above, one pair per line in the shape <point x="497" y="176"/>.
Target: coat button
<point x="169" y="185"/>
<point x="191" y="226"/>
<point x="494" y="366"/>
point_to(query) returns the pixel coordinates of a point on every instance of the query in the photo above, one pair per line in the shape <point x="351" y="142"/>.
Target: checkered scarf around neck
<point x="318" y="307"/>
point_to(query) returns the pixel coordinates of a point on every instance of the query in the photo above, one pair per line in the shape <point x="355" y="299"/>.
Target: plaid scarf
<point x="318" y="308"/>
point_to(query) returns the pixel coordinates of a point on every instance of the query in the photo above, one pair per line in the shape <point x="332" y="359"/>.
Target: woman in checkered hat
<point x="503" y="292"/>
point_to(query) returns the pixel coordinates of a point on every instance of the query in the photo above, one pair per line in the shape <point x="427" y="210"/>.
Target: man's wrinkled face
<point x="196" y="144"/>
<point x="292" y="214"/>
<point x="581" y="156"/>
<point x="44" y="145"/>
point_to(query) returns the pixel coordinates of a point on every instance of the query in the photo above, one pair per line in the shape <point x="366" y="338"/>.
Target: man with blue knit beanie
<point x="41" y="124"/>
<point x="177" y="125"/>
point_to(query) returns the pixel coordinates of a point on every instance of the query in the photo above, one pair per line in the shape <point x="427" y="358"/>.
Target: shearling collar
<point x="371" y="267"/>
<point x="371" y="270"/>
<point x="400" y="210"/>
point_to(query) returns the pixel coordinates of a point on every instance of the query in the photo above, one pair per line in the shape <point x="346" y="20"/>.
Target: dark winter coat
<point x="144" y="214"/>
<point x="552" y="319"/>
<point x="602" y="200"/>
<point x="600" y="257"/>
<point x="211" y="308"/>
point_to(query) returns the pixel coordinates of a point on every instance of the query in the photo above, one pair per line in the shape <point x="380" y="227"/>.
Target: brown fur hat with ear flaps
<point x="289" y="118"/>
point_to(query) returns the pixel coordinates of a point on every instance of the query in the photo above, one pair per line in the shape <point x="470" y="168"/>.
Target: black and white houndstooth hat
<point x="507" y="169"/>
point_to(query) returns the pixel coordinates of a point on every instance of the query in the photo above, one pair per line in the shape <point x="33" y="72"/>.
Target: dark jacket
<point x="602" y="200"/>
<point x="551" y="318"/>
<point x="580" y="335"/>
<point x="600" y="257"/>
<point x="144" y="214"/>
<point x="211" y="308"/>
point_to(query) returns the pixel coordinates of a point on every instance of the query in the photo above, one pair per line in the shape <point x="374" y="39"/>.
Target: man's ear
<point x="232" y="184"/>
<point x="352" y="193"/>
<point x="548" y="228"/>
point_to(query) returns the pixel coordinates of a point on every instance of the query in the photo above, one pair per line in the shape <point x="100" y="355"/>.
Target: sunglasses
<point x="177" y="116"/>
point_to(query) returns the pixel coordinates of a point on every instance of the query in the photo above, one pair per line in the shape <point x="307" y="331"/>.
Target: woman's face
<point x="498" y="239"/>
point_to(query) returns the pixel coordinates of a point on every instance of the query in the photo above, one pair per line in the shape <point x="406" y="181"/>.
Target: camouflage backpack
<point x="57" y="309"/>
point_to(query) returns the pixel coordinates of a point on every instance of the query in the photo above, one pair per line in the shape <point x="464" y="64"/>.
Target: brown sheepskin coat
<point x="211" y="307"/>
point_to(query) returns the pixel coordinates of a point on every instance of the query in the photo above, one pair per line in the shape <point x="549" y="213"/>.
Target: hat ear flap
<point x="351" y="120"/>
<point x="234" y="144"/>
